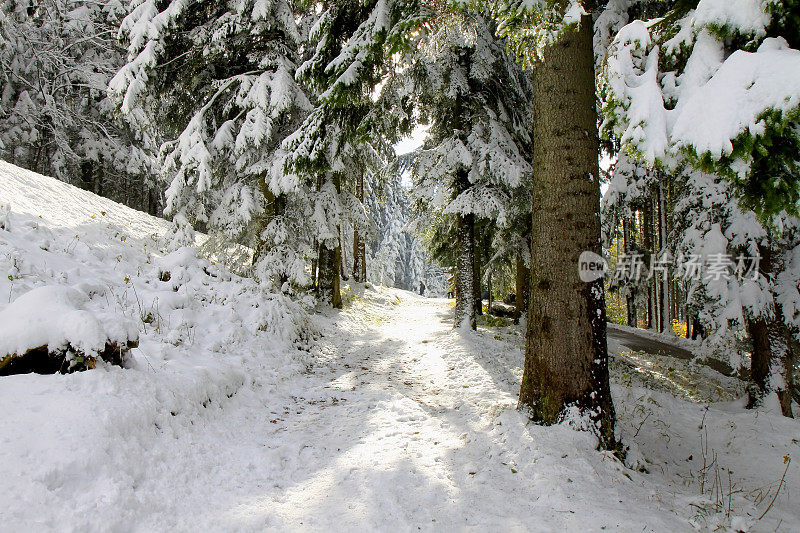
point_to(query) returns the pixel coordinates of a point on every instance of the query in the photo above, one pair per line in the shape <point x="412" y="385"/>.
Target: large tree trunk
<point x="522" y="280"/>
<point x="698" y="331"/>
<point x="566" y="356"/>
<point x="359" y="247"/>
<point x="759" y="361"/>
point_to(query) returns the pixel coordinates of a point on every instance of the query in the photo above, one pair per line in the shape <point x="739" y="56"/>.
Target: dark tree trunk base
<point x="43" y="361"/>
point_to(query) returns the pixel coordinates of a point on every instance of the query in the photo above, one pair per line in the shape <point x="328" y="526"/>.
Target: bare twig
<point x="788" y="461"/>
<point x="641" y="424"/>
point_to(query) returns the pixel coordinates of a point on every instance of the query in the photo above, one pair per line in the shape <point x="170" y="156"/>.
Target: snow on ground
<point x="390" y="420"/>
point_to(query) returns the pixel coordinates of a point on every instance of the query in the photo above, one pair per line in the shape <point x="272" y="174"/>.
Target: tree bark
<point x="665" y="320"/>
<point x="314" y="265"/>
<point x="698" y="331"/>
<point x="630" y="299"/>
<point x="648" y="246"/>
<point x="476" y="274"/>
<point x="771" y="358"/>
<point x="465" y="273"/>
<point x="759" y="361"/>
<point x="329" y="262"/>
<point x="359" y="247"/>
<point x="330" y="265"/>
<point x="566" y="356"/>
<point x="489" y="289"/>
<point x="522" y="280"/>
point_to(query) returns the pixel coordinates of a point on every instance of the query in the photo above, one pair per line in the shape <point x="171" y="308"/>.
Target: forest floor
<point x="416" y="427"/>
<point x="385" y="419"/>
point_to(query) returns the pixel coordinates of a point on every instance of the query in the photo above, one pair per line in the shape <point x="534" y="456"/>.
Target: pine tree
<point x="728" y="67"/>
<point x="566" y="358"/>
<point x="216" y="78"/>
<point x="352" y="44"/>
<point x="56" y="57"/>
<point x="396" y="255"/>
<point x="734" y="71"/>
<point x="475" y="97"/>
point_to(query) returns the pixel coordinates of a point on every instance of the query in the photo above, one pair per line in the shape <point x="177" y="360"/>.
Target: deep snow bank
<point x="75" y="267"/>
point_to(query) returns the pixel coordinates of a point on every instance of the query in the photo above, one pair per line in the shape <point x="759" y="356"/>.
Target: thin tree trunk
<point x="466" y="271"/>
<point x="688" y="317"/>
<point x="630" y="298"/>
<point x="522" y="280"/>
<point x="359" y="247"/>
<point x="343" y="260"/>
<point x="566" y="356"/>
<point x="489" y="288"/>
<point x="648" y="246"/>
<point x="476" y="276"/>
<point x="465" y="278"/>
<point x="330" y="265"/>
<point x="665" y="318"/>
<point x="314" y="264"/>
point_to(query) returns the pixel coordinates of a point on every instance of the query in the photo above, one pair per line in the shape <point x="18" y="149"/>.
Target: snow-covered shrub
<point x="51" y="329"/>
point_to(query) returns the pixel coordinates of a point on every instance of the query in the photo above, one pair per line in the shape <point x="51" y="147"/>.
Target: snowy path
<point x="637" y="341"/>
<point x="404" y="424"/>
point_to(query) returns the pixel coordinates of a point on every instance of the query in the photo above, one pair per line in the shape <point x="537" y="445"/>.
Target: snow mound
<point x="56" y="317"/>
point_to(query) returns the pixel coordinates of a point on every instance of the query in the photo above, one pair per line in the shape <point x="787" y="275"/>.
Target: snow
<point x="414" y="140"/>
<point x="718" y="99"/>
<point x="746" y="16"/>
<point x="228" y="417"/>
<point x="56" y="317"/>
<point x="732" y="101"/>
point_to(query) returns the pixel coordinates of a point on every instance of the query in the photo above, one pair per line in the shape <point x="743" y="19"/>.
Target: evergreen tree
<point x="728" y="67"/>
<point x="352" y="43"/>
<point x="714" y="87"/>
<point x="475" y="97"/>
<point x="566" y="358"/>
<point x="56" y="57"/>
<point x="217" y="78"/>
<point x="397" y="255"/>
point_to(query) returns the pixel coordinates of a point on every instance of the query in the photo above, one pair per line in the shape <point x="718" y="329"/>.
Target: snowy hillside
<point x="73" y="263"/>
<point x="229" y="416"/>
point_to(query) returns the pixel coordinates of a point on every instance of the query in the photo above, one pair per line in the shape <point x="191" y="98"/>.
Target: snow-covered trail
<point x="402" y="424"/>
